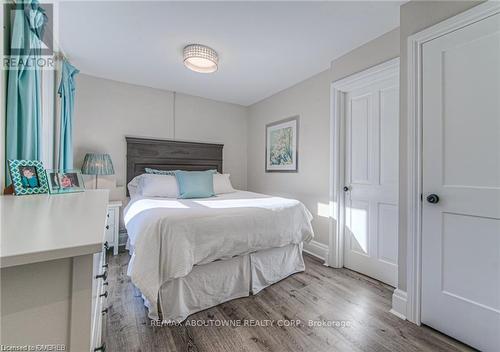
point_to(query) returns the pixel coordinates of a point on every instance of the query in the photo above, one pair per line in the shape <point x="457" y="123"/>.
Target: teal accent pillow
<point x="195" y="184"/>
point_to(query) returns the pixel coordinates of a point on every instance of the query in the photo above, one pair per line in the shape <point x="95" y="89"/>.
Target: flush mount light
<point x="200" y="58"/>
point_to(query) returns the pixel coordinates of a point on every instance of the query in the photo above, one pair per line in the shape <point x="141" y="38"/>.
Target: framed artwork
<point x="282" y="139"/>
<point x="65" y="181"/>
<point x="28" y="177"/>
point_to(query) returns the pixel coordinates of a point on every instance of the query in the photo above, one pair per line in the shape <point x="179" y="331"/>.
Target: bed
<point x="188" y="255"/>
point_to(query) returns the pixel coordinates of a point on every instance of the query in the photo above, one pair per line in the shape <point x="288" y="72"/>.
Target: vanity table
<point x="53" y="270"/>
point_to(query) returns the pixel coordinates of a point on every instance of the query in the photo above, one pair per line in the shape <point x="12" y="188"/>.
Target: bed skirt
<point x="211" y="284"/>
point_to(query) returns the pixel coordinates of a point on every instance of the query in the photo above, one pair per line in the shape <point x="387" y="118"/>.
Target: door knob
<point x="346" y="189"/>
<point x="433" y="198"/>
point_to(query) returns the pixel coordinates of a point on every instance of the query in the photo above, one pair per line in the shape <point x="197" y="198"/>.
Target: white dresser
<point x="53" y="271"/>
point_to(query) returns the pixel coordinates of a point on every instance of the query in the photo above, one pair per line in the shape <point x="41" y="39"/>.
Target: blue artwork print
<point x="281" y="147"/>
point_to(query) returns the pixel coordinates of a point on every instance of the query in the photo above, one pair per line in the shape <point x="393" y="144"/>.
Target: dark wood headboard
<point x="164" y="154"/>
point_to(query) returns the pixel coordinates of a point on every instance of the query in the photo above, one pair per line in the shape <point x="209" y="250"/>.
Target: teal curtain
<point x="67" y="94"/>
<point x="24" y="110"/>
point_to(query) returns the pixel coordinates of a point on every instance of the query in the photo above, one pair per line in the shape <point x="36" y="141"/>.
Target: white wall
<point x="311" y="100"/>
<point x="106" y="111"/>
<point x="206" y="120"/>
<point x="375" y="52"/>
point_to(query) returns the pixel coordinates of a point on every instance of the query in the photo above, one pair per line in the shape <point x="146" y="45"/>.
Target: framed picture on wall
<point x="282" y="139"/>
<point x="28" y="177"/>
<point x="65" y="181"/>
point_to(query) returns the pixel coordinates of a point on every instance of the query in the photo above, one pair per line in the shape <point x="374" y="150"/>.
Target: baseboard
<point x="316" y="249"/>
<point x="399" y="304"/>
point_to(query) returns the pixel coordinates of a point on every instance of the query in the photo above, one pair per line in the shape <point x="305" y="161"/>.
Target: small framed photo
<point x="65" y="181"/>
<point x="28" y="177"/>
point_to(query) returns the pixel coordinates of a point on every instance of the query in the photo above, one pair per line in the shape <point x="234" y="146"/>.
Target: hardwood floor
<point x="320" y="294"/>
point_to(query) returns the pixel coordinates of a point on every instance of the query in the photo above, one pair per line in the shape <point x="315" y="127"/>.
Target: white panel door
<point x="461" y="166"/>
<point x="371" y="193"/>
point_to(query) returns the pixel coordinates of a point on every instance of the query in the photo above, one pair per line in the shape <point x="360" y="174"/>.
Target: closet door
<point x="461" y="184"/>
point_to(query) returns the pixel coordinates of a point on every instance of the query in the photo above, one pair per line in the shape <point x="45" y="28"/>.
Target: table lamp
<point x="97" y="164"/>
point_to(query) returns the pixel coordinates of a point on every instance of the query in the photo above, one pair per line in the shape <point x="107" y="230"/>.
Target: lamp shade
<point x="97" y="164"/>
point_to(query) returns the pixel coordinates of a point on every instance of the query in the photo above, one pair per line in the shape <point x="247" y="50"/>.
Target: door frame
<point x="414" y="147"/>
<point x="338" y="90"/>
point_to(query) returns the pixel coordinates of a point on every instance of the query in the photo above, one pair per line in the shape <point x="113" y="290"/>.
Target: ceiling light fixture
<point x="200" y="58"/>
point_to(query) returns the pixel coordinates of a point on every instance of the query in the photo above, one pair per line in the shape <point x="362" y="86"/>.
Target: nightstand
<point x="113" y="225"/>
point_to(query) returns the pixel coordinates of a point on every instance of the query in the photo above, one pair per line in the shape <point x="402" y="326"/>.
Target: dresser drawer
<point x="98" y="332"/>
<point x="99" y="290"/>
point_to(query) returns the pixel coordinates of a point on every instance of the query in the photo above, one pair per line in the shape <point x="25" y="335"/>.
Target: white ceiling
<point x="264" y="47"/>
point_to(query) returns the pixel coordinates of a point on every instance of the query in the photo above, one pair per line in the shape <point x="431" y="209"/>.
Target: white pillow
<point x="222" y="184"/>
<point x="152" y="185"/>
<point x="133" y="186"/>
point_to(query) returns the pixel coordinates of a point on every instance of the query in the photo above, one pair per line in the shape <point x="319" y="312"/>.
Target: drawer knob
<point x="104" y="311"/>
<point x="107" y="227"/>
<point x="106" y="246"/>
<point x="102" y="348"/>
<point x="105" y="283"/>
<point x="105" y="266"/>
<point x="103" y="276"/>
<point x="105" y="294"/>
<point x="107" y="215"/>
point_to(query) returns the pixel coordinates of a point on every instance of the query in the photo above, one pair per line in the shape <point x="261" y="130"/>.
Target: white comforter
<point x="170" y="236"/>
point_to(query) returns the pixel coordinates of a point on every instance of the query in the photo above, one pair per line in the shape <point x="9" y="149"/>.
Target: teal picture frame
<point x="28" y="177"/>
<point x="65" y="181"/>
